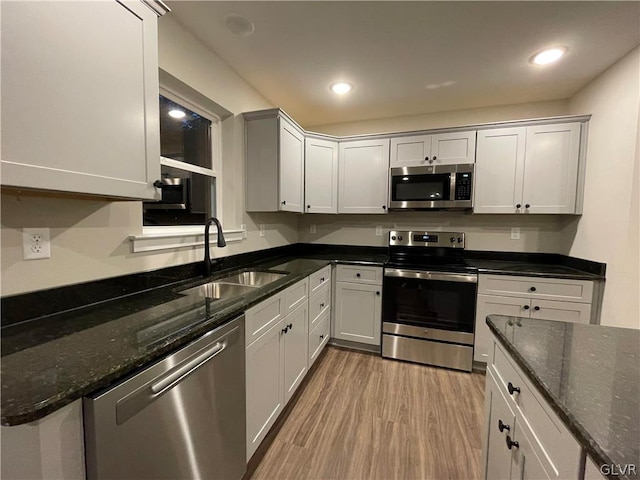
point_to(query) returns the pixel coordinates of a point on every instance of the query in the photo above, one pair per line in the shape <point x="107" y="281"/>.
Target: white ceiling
<point x="393" y="51"/>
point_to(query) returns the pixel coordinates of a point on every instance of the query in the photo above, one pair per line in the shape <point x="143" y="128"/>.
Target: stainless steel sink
<point x="253" y="278"/>
<point x="219" y="290"/>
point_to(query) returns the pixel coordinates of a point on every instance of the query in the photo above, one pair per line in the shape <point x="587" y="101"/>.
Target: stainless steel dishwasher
<point x="182" y="418"/>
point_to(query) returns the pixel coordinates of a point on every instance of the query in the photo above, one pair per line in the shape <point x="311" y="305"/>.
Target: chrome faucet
<point x="221" y="243"/>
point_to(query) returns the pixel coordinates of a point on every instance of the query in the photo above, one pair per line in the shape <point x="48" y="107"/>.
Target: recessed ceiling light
<point x="548" y="56"/>
<point x="176" y="113"/>
<point x="341" y="88"/>
<point x="239" y="25"/>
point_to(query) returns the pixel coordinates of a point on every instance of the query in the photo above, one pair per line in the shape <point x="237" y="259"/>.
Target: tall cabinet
<point x="80" y="110"/>
<point x="275" y="162"/>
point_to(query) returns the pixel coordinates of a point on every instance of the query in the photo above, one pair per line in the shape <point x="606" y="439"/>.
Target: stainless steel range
<point x="429" y="302"/>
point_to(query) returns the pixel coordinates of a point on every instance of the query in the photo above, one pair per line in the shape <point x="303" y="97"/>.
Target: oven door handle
<point x="427" y="275"/>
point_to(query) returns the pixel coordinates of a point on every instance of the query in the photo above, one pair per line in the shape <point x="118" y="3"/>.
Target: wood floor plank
<point x="363" y="417"/>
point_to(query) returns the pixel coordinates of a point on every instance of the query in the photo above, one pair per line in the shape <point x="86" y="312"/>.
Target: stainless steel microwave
<point x="431" y="187"/>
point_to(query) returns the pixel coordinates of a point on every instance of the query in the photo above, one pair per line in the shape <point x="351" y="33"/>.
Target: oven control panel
<point x="412" y="238"/>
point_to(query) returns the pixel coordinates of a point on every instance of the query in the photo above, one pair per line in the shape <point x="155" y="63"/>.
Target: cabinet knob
<point x="322" y="279"/>
<point x="527" y="206"/>
<point x="158" y="184"/>
<point x="518" y="205"/>
<point x="321" y="337"/>
<point x="532" y="289"/>
<point x="290" y="327"/>
<point x="434" y="157"/>
<point x="536" y="308"/>
<point x="357" y="275"/>
<point x="512" y="389"/>
<point x="426" y="159"/>
<point x="526" y="307"/>
<point x="384" y="207"/>
<point x="503" y="426"/>
<point x="378" y="293"/>
<point x="308" y="206"/>
<point x="284" y="202"/>
<point x="511" y="444"/>
<point x="285" y="329"/>
<point x="322" y="305"/>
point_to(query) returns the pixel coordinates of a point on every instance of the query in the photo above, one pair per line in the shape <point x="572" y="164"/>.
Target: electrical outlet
<point x="378" y="230"/>
<point x="243" y="227"/>
<point x="36" y="243"/>
<point x="261" y="230"/>
<point x="312" y="228"/>
<point x="515" y="233"/>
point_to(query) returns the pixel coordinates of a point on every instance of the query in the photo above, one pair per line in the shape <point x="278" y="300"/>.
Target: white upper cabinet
<point x="291" y="167"/>
<point x="499" y="162"/>
<point x="80" y="98"/>
<point x="321" y="176"/>
<point x="551" y="169"/>
<point x="528" y="169"/>
<point x="363" y="176"/>
<point x="439" y="149"/>
<point x="275" y="162"/>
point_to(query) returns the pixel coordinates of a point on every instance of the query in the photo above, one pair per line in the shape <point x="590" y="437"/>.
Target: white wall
<point x="90" y="237"/>
<point x="454" y="118"/>
<point x="608" y="229"/>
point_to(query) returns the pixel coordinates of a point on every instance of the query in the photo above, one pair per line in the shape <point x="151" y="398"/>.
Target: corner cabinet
<point x="275" y="162"/>
<point x="529" y="169"/>
<point x="80" y="109"/>
<point x="321" y="175"/>
<point x="363" y="176"/>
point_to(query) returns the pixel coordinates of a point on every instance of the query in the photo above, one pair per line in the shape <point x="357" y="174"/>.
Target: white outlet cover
<point x="515" y="233"/>
<point x="378" y="230"/>
<point x="262" y="230"/>
<point x="312" y="228"/>
<point x="36" y="243"/>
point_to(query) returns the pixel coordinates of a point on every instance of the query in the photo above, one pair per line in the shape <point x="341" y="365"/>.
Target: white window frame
<point x="180" y="236"/>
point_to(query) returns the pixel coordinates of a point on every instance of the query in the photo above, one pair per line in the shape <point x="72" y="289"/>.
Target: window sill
<point x="185" y="238"/>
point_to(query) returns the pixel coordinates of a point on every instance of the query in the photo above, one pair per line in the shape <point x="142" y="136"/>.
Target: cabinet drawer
<point x="296" y="295"/>
<point x="319" y="303"/>
<point x="260" y="318"/>
<point x="357" y="274"/>
<point x="533" y="287"/>
<point x="556" y="443"/>
<point x="319" y="337"/>
<point x="319" y="279"/>
<point x="562" y="311"/>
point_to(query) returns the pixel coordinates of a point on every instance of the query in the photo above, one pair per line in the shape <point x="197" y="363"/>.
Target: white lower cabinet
<point x="296" y="334"/>
<point x="523" y="438"/>
<point x="358" y="306"/>
<point x="528" y="297"/>
<point x="319" y="337"/>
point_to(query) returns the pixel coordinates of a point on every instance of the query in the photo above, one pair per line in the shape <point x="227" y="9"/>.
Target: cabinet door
<point x="499" y="170"/>
<point x="319" y="337"/>
<point x="358" y="313"/>
<point x="551" y="168"/>
<point x="296" y="344"/>
<point x="526" y="464"/>
<point x="499" y="422"/>
<point x="364" y="176"/>
<point x="321" y="176"/>
<point x="80" y="98"/>
<point x="410" y="151"/>
<point x="494" y="305"/>
<point x="452" y="148"/>
<point x="265" y="385"/>
<point x="562" y="311"/>
<point x="291" y="168"/>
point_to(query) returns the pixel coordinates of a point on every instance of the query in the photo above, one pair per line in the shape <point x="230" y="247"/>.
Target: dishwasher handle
<point x="174" y="377"/>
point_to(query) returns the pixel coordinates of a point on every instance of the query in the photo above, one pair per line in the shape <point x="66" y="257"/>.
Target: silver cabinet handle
<point x="174" y="377"/>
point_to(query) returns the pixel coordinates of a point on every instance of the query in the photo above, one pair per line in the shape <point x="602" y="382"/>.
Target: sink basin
<point x="219" y="290"/>
<point x="253" y="278"/>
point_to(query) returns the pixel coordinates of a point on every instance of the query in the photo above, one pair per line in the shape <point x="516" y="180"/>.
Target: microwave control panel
<point x="463" y="185"/>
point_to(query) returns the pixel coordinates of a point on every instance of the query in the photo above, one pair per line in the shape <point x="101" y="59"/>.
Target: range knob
<point x="453" y="239"/>
<point x="459" y="239"/>
<point x="400" y="237"/>
<point x="393" y="237"/>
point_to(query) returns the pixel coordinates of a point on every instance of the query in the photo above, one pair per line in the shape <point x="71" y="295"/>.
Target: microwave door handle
<point x="452" y="186"/>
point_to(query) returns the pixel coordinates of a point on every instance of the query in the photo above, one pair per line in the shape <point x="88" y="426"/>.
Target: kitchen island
<point x="561" y="392"/>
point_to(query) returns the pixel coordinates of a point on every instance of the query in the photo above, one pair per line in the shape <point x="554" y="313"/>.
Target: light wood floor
<point x="365" y="417"/>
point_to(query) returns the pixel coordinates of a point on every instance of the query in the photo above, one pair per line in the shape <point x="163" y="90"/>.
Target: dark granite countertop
<point x="590" y="376"/>
<point x="53" y="361"/>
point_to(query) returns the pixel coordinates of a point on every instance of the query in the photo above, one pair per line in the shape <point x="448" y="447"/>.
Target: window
<point x="189" y="146"/>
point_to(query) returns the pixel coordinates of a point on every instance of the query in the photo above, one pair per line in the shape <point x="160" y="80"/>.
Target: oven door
<point x="433" y="305"/>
